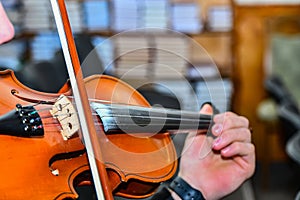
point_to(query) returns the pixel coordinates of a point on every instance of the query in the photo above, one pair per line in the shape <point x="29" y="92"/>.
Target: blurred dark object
<point x="279" y="92"/>
<point x="287" y="107"/>
<point x="293" y="147"/>
<point x="288" y="114"/>
<point x="155" y="97"/>
<point x="50" y="76"/>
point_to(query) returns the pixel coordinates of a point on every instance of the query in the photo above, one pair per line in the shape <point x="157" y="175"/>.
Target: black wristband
<point x="184" y="190"/>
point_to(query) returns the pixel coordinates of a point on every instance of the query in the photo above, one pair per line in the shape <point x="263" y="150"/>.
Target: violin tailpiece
<point x="24" y="121"/>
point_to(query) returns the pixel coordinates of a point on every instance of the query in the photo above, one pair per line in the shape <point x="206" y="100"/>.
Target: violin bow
<point x="88" y="130"/>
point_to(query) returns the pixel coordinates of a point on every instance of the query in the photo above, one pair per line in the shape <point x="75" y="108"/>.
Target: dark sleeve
<point x="162" y="194"/>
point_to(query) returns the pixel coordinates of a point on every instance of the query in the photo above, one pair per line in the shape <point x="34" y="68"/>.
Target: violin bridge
<point x="64" y="111"/>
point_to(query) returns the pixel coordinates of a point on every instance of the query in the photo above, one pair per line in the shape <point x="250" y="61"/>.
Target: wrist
<point x="184" y="190"/>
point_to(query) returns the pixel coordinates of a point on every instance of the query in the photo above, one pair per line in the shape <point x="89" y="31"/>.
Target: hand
<point x="230" y="161"/>
<point x="6" y="27"/>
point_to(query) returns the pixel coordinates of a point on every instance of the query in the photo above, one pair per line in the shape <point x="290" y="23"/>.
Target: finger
<point x="238" y="149"/>
<point x="6" y="26"/>
<point x="199" y="137"/>
<point x="231" y="136"/>
<point x="243" y="154"/>
<point x="230" y="120"/>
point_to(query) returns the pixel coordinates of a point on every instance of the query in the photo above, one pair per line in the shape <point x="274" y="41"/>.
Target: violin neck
<point x="135" y="119"/>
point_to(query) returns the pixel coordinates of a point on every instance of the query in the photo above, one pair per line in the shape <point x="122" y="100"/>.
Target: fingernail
<point x="217" y="128"/>
<point x="217" y="141"/>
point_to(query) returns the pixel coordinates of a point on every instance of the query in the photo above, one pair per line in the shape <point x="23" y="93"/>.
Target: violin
<point x="95" y="131"/>
<point x="42" y="160"/>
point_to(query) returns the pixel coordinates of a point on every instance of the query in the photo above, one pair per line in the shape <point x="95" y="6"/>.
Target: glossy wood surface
<point x="131" y="162"/>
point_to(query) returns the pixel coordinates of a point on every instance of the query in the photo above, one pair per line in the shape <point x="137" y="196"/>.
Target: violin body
<point x="50" y="167"/>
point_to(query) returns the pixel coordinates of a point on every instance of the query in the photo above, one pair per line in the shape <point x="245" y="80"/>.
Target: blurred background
<point x="241" y="55"/>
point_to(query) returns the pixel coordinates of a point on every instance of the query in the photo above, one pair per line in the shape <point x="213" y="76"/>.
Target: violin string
<point x="201" y="117"/>
<point x="201" y="121"/>
<point x="93" y="100"/>
<point x="106" y="101"/>
<point x="97" y="123"/>
<point x="99" y="129"/>
<point x="122" y="124"/>
<point x="101" y="101"/>
<point x="204" y="121"/>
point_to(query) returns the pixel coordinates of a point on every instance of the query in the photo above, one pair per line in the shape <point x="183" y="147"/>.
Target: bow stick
<point x="88" y="130"/>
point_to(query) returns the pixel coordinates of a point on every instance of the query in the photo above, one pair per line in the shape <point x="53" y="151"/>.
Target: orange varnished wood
<point x="149" y="159"/>
<point x="135" y="164"/>
<point x="24" y="169"/>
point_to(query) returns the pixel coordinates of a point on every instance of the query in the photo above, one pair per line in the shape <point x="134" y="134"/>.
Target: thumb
<point x="196" y="143"/>
<point x="206" y="109"/>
